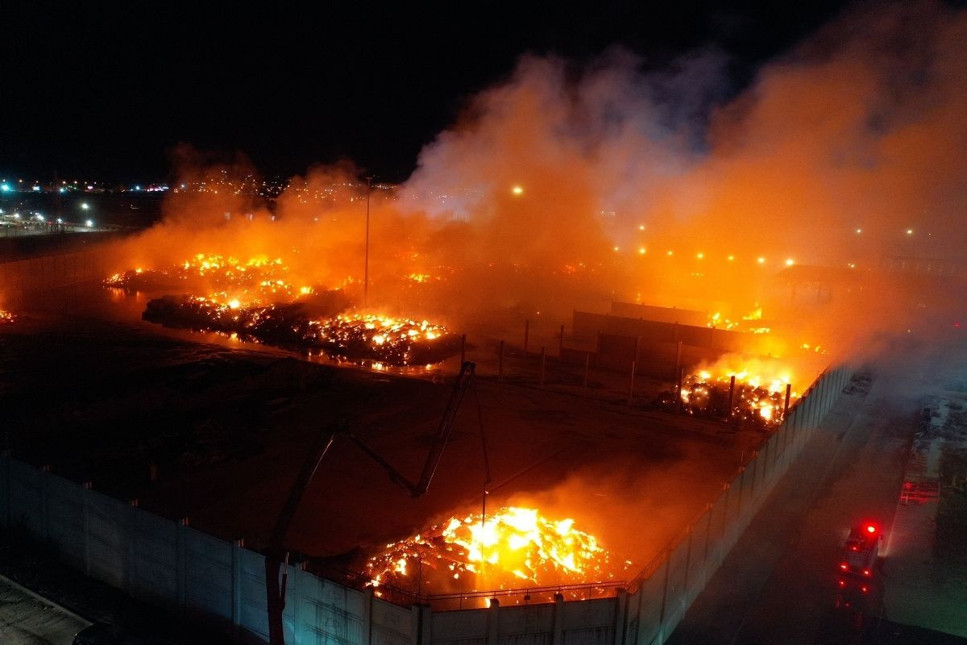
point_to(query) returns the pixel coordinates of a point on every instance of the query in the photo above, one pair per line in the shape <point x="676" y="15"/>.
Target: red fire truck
<point x="861" y="550"/>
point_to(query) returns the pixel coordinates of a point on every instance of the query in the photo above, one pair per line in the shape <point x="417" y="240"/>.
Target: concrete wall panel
<point x="208" y="569"/>
<point x="391" y="624"/>
<point x="326" y="612"/>
<point x="107" y="538"/>
<point x="26" y="498"/>
<point x="590" y="622"/>
<point x="527" y="625"/>
<point x="154" y="567"/>
<point x="65" y="519"/>
<point x="253" y="614"/>
<point x="464" y="627"/>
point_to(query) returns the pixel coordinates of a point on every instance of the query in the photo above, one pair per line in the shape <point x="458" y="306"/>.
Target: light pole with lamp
<point x="369" y="189"/>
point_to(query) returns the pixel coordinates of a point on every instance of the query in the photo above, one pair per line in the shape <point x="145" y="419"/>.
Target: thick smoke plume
<point x="827" y="198"/>
<point x="573" y="184"/>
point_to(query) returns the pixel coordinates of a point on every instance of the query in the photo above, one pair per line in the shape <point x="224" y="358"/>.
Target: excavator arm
<point x="275" y="556"/>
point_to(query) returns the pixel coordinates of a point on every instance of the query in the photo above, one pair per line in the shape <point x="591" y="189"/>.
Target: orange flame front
<point x="513" y="547"/>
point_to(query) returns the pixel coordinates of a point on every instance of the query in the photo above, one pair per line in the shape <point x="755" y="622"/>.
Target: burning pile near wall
<point x="751" y="393"/>
<point x="515" y="547"/>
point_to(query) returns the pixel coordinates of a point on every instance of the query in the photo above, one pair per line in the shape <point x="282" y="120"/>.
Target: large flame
<point x="511" y="548"/>
<point x="739" y="389"/>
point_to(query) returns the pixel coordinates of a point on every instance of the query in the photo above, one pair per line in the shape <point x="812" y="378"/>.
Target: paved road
<point x="779" y="584"/>
<point x="28" y="619"/>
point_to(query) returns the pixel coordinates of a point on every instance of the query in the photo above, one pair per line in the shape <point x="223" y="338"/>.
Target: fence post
<point x="688" y="560"/>
<point x="181" y="553"/>
<point x="5" y="463"/>
<point x="664" y="597"/>
<point x="237" y="546"/>
<point x="631" y="389"/>
<point x="558" y="636"/>
<point x="44" y="503"/>
<point x="493" y="622"/>
<point x="728" y="414"/>
<point x="85" y="496"/>
<point x="543" y="362"/>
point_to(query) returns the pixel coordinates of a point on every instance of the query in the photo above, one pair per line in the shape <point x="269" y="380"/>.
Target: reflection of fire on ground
<point x="514" y="547"/>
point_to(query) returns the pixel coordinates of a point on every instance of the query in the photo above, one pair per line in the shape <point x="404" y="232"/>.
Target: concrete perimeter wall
<point x="52" y="271"/>
<point x="222" y="584"/>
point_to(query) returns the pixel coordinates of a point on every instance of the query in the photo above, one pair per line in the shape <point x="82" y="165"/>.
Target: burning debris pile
<point x="256" y="301"/>
<point x="738" y="397"/>
<point x="6" y="317"/>
<point x="256" y="281"/>
<point x="362" y="337"/>
<point x="513" y="548"/>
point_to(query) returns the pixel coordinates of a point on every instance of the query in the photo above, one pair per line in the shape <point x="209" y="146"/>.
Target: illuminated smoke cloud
<point x="572" y="184"/>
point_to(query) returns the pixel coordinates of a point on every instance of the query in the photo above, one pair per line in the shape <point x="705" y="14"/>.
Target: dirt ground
<point x="202" y="427"/>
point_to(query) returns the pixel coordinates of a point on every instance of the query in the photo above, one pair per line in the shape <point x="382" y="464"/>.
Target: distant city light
<point x="761" y="260"/>
<point x="5" y="187"/>
<point x="89" y="223"/>
<point x="85" y="205"/>
<point x="517" y="190"/>
<point x="858" y="231"/>
<point x="790" y="262"/>
<point x="909" y="231"/>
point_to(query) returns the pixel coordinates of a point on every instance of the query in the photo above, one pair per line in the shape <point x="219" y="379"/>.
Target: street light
<point x="369" y="189"/>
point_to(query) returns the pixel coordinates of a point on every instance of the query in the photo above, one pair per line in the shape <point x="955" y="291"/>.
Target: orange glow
<point x="514" y="547"/>
<point x="758" y="395"/>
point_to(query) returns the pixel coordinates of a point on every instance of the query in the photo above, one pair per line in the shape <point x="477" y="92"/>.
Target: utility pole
<point x="369" y="189"/>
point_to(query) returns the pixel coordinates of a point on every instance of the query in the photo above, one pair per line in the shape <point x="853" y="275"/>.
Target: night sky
<point x="104" y="90"/>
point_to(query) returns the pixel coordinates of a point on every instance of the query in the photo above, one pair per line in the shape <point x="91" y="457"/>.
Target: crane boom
<point x="275" y="557"/>
<point x="446" y="425"/>
<point x="439" y="443"/>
